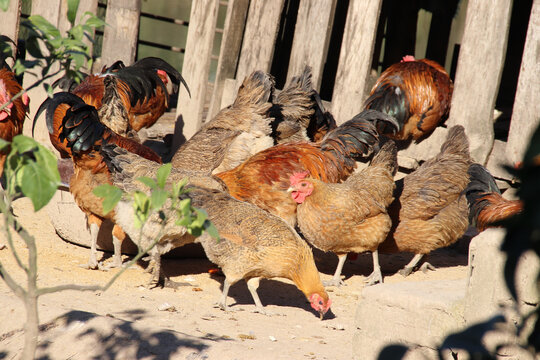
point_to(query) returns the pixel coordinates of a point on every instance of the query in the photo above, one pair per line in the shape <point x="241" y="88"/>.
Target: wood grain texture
<point x="9" y="26"/>
<point x="526" y="112"/>
<point x="355" y="58"/>
<point x="479" y="70"/>
<point x="200" y="38"/>
<point x="120" y="37"/>
<point x="259" y="37"/>
<point x="233" y="33"/>
<point x="311" y="38"/>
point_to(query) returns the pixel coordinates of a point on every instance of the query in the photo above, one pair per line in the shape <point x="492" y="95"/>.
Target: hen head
<point x="320" y="304"/>
<point x="5" y="97"/>
<point x="300" y="188"/>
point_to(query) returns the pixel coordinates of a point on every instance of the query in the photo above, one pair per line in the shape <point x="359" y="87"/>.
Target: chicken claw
<point x="426" y="267"/>
<point x="334" y="282"/>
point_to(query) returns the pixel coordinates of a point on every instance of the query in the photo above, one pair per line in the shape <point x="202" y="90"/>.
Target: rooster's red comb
<point x="408" y="58"/>
<point x="297" y="176"/>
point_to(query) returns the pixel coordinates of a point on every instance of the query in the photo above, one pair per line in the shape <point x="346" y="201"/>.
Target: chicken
<point x="298" y="112"/>
<point x="430" y="209"/>
<point x="416" y="92"/>
<point x="127" y="99"/>
<point x="253" y="244"/>
<point x="234" y="133"/>
<point x="263" y="179"/>
<point x="350" y="216"/>
<point x="13" y="114"/>
<point x="81" y="131"/>
<point x="487" y="208"/>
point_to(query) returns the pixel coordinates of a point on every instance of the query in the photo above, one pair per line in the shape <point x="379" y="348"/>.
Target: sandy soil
<point x="129" y="321"/>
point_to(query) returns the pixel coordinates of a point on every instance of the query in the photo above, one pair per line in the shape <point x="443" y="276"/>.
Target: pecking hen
<point x="81" y="131"/>
<point x="416" y="92"/>
<point x="350" y="216"/>
<point x="487" y="207"/>
<point x="430" y="210"/>
<point x="253" y="244"/>
<point x="264" y="178"/>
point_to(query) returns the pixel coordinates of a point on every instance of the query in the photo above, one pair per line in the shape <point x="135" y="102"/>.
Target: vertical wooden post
<point x="50" y="10"/>
<point x="259" y="37"/>
<point x="355" y="58"/>
<point x="9" y="26"/>
<point x="526" y="112"/>
<point x="480" y="64"/>
<point x="233" y="34"/>
<point x="196" y="67"/>
<point x="120" y="36"/>
<point x="311" y="38"/>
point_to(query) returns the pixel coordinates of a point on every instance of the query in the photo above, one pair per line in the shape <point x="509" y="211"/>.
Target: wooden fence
<point x="250" y="34"/>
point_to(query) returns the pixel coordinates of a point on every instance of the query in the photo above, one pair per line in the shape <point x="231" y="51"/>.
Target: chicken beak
<point x="321" y="315"/>
<point x="290" y="190"/>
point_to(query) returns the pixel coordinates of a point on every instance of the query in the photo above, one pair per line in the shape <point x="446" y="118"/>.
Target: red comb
<point x="297" y="176"/>
<point x="408" y="58"/>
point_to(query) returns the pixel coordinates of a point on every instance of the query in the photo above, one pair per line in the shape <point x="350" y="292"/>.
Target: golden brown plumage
<point x="80" y="132"/>
<point x="430" y="210"/>
<point x="12" y="116"/>
<point x="486" y="205"/>
<point x="350" y="216"/>
<point x="253" y="243"/>
<point x="263" y="179"/>
<point x="416" y="92"/>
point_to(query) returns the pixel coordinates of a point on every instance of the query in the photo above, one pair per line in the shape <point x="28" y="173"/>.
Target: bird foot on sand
<point x="426" y="267"/>
<point x="91" y="265"/>
<point x="406" y="271"/>
<point x="263" y="311"/>
<point x="374" y="278"/>
<point x="334" y="282"/>
<point x="168" y="283"/>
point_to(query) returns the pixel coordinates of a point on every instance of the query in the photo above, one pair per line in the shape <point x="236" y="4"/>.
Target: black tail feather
<point x="390" y="100"/>
<point x="160" y="64"/>
<point x="481" y="182"/>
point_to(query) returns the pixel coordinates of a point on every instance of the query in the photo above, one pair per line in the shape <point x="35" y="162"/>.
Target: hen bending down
<point x="416" y="92"/>
<point x="430" y="210"/>
<point x="253" y="244"/>
<point x="350" y="216"/>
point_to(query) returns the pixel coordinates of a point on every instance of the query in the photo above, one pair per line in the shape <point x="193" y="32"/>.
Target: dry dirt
<point x="129" y="321"/>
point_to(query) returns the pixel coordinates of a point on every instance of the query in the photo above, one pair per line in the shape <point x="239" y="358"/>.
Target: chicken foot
<point x="92" y="262"/>
<point x="253" y="285"/>
<point x="408" y="269"/>
<point x="222" y="303"/>
<point x="117" y="257"/>
<point x="159" y="279"/>
<point x="376" y="276"/>
<point x="336" y="279"/>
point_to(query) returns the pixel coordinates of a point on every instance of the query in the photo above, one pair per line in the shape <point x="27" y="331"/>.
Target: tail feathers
<point x="322" y="121"/>
<point x="387" y="157"/>
<point x="256" y="90"/>
<point x="294" y="102"/>
<point x="389" y="99"/>
<point x="155" y="64"/>
<point x="354" y="139"/>
<point x="481" y="183"/>
<point x="456" y="142"/>
<point x="6" y="51"/>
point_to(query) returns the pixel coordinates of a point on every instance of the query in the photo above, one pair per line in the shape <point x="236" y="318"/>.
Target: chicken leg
<point x="92" y="262"/>
<point x="336" y="279"/>
<point x="376" y="276"/>
<point x="222" y="303"/>
<point x="408" y="269"/>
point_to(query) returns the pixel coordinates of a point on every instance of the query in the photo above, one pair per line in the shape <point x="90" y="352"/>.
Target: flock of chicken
<point x="273" y="171"/>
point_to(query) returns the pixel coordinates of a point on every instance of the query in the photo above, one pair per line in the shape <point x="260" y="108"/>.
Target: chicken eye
<point x="303" y="184"/>
<point x="320" y="302"/>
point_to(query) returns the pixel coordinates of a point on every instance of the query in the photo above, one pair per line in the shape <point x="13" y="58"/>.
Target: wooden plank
<point x="120" y="36"/>
<point x="50" y="10"/>
<point x="311" y="38"/>
<point x="196" y="67"/>
<point x="235" y="21"/>
<point x="479" y="70"/>
<point x="259" y="37"/>
<point x="355" y="58"/>
<point x="9" y="26"/>
<point x="526" y="112"/>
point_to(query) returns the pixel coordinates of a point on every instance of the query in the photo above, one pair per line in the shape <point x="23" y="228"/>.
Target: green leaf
<point x="151" y="183"/>
<point x="111" y="196"/>
<point x="158" y="198"/>
<point x="200" y="219"/>
<point x="162" y="174"/>
<point x="185" y="206"/>
<point x="22" y="144"/>
<point x="4" y="4"/>
<point x="48" y="29"/>
<point x="73" y="5"/>
<point x="93" y="20"/>
<point x="3" y="144"/>
<point x="211" y="229"/>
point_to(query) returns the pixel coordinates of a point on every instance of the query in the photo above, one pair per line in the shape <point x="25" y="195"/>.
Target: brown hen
<point x="430" y="210"/>
<point x="350" y="216"/>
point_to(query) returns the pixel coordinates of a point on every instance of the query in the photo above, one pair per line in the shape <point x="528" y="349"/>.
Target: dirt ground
<point x="129" y="321"/>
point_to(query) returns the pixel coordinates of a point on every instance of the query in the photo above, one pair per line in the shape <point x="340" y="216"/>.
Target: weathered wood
<point x="50" y="10"/>
<point x="355" y="58"/>
<point x="526" y="111"/>
<point x="233" y="34"/>
<point x="311" y="38"/>
<point x="196" y="67"/>
<point x="9" y="26"/>
<point x="120" y="36"/>
<point x="479" y="70"/>
<point x="259" y="37"/>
